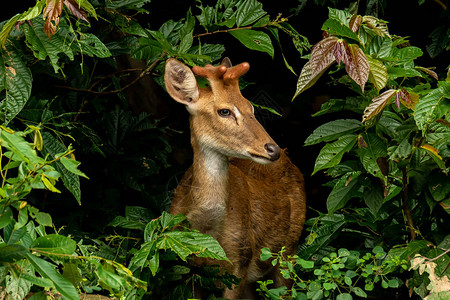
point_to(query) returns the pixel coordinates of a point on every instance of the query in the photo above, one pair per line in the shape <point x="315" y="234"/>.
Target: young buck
<point x="242" y="189"/>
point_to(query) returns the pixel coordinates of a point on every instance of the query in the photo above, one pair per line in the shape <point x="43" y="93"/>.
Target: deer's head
<point x="222" y="119"/>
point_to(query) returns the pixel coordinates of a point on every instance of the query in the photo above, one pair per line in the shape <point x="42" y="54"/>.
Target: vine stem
<point x="405" y="206"/>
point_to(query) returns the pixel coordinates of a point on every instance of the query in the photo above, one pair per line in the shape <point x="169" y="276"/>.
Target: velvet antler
<point x="225" y="71"/>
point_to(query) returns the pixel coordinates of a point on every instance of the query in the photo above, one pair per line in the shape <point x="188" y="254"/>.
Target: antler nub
<point x="223" y="72"/>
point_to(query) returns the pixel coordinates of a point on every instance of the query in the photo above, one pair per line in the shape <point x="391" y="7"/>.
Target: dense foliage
<point x="87" y="75"/>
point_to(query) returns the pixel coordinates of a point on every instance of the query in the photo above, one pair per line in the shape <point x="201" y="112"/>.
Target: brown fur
<point x="245" y="205"/>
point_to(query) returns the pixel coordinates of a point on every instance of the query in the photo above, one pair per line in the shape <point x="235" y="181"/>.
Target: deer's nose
<point x="273" y="151"/>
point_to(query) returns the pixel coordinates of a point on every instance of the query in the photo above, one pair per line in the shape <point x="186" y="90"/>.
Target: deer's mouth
<point x="260" y="159"/>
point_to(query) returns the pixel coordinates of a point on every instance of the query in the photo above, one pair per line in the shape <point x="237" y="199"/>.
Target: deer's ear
<point x="180" y="82"/>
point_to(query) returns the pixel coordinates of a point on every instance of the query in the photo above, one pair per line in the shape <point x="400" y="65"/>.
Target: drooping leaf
<point x="331" y="154"/>
<point x="342" y="191"/>
<point x="376" y="148"/>
<point x="51" y="15"/>
<point x="332" y="130"/>
<point x="254" y="40"/>
<point x="75" y="9"/>
<point x="331" y="225"/>
<point x="47" y="270"/>
<point x="17" y="81"/>
<point x="7" y="28"/>
<point x="378" y="104"/>
<point x="307" y="79"/>
<point x="358" y="69"/>
<point x="72" y="273"/>
<point x="378" y="75"/>
<point x="71" y="180"/>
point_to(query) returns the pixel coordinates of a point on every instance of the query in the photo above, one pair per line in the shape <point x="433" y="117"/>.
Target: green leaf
<point x="335" y="27"/>
<point x="17" y="81"/>
<point x="332" y="130"/>
<point x="265" y="254"/>
<point x="378" y="75"/>
<point x="43" y="218"/>
<point x="17" y="287"/>
<point x="12" y="253"/>
<point x="71" y="180"/>
<point x="154" y="263"/>
<point x="142" y="257"/>
<point x="43" y="47"/>
<point x="425" y="110"/>
<point x="186" y="243"/>
<point x="72" y="166"/>
<point x="331" y="154"/>
<point x="6" y="216"/>
<point x="47" y="270"/>
<point x="376" y="148"/>
<point x="72" y="273"/>
<point x="254" y="40"/>
<point x="93" y="46"/>
<point x="343" y="191"/>
<point x="344" y="296"/>
<point x="248" y="12"/>
<point x="54" y="244"/>
<point x="7" y="28"/>
<point x="359" y="292"/>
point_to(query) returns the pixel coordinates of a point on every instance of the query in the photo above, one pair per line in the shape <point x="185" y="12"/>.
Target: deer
<point x="242" y="189"/>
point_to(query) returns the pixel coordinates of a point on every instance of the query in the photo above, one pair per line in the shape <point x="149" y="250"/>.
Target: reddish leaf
<point x="76" y="10"/>
<point x="378" y="104"/>
<point x="361" y="142"/>
<point x="51" y="14"/>
<point x="358" y="67"/>
<point x="322" y="54"/>
<point x="397" y="100"/>
<point x="355" y="22"/>
<point x="429" y="72"/>
<point x="340" y="52"/>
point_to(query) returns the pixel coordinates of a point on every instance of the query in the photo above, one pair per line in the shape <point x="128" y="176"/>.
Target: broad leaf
<point x="307" y="79"/>
<point x="17" y="80"/>
<point x="254" y="40"/>
<point x="93" y="46"/>
<point x="376" y="148"/>
<point x="71" y="181"/>
<point x="378" y="104"/>
<point x="47" y="270"/>
<point x="343" y="190"/>
<point x="332" y="130"/>
<point x="335" y="27"/>
<point x="331" y="154"/>
<point x="248" y="12"/>
<point x="322" y="54"/>
<point x="378" y="75"/>
<point x="43" y="47"/>
<point x="188" y="243"/>
<point x="12" y="253"/>
<point x="6" y="216"/>
<point x="54" y="244"/>
<point x="358" y="68"/>
<point x="425" y="110"/>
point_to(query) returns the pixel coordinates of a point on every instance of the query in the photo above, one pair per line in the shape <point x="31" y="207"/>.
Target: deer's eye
<point x="224" y="112"/>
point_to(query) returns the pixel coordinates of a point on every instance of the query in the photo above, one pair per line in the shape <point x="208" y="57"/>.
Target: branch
<point x="139" y="77"/>
<point x="405" y="206"/>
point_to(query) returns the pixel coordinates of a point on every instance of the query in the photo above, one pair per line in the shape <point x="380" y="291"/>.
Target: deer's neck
<point x="209" y="191"/>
